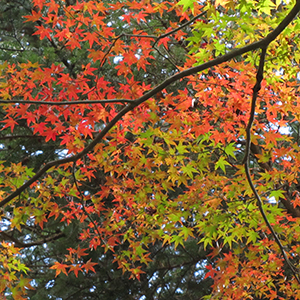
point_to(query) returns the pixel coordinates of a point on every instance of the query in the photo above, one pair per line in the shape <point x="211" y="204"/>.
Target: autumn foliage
<point x="152" y="138"/>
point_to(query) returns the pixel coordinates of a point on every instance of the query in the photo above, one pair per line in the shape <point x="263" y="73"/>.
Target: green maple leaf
<point x="277" y="194"/>
<point x="187" y="4"/>
<point x="221" y="163"/>
<point x="229" y="150"/>
<point x="189" y="170"/>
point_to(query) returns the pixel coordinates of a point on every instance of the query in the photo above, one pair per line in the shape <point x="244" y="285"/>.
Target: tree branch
<point x="67" y="102"/>
<point x="13" y="50"/>
<point x="256" y="89"/>
<point x="20" y="244"/>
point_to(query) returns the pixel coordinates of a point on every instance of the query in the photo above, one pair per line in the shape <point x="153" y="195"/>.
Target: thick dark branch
<point x="291" y="209"/>
<point x="234" y="53"/>
<point x="256" y="89"/>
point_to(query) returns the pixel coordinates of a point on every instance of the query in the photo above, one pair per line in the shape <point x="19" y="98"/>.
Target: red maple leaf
<point x="43" y="32"/>
<point x="89" y="266"/>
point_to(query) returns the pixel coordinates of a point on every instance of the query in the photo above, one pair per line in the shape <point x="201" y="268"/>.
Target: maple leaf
<point x="80" y="252"/>
<point x="43" y="32"/>
<point x="75" y="269"/>
<point x="73" y="43"/>
<point x="40" y="128"/>
<point x="211" y="272"/>
<point x="9" y="122"/>
<point x="25" y="283"/>
<point x="164" y="41"/>
<point x="53" y="6"/>
<point x="38" y="3"/>
<point x="113" y="241"/>
<point x="59" y="267"/>
<point x="127" y="17"/>
<point x="123" y="69"/>
<point x="55" y="210"/>
<point x="187" y="4"/>
<point x="136" y="273"/>
<point x="67" y="139"/>
<point x="35" y="16"/>
<point x="50" y="134"/>
<point x="140" y="17"/>
<point x="88" y="266"/>
<point x="221" y="163"/>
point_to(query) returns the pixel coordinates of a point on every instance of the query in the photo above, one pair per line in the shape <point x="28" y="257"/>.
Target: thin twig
<point x="256" y="89"/>
<point x="41" y="241"/>
<point x="13" y="50"/>
<point x="157" y="38"/>
<point x="87" y="102"/>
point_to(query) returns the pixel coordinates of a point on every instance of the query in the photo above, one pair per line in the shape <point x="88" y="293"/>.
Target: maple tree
<point x="131" y="128"/>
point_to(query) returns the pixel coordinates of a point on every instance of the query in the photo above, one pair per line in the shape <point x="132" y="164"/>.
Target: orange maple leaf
<point x="89" y="266"/>
<point x="59" y="268"/>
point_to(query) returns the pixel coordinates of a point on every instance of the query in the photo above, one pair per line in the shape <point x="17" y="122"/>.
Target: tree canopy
<point x="149" y="150"/>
